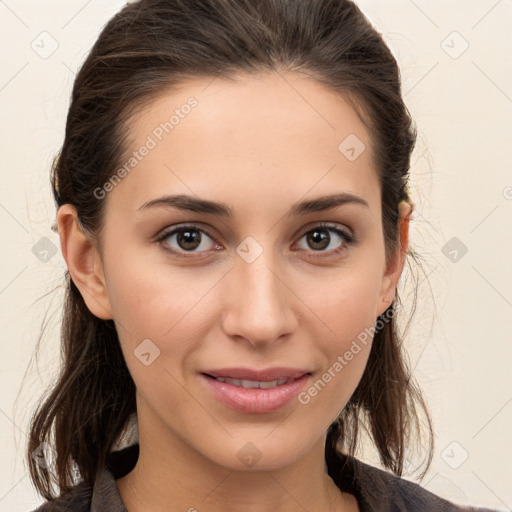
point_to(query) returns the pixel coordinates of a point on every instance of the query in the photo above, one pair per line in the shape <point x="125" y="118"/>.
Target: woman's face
<point x="270" y="285"/>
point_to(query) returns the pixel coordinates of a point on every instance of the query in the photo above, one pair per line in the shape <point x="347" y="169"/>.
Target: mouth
<point x="255" y="391"/>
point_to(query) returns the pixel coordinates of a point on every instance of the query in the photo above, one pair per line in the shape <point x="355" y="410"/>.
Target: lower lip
<point x="255" y="400"/>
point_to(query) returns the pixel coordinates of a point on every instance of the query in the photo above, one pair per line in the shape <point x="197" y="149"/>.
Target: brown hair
<point x="148" y="47"/>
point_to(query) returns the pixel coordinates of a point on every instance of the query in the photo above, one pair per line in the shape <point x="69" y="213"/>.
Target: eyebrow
<point x="195" y="204"/>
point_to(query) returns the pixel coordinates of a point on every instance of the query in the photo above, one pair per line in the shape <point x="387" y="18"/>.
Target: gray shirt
<point x="376" y="490"/>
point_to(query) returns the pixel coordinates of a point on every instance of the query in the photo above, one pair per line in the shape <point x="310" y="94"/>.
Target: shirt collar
<point x="105" y="494"/>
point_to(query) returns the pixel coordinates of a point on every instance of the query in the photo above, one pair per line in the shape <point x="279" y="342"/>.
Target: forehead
<point x="275" y="135"/>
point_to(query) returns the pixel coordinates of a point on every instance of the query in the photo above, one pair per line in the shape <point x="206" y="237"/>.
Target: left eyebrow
<point x="195" y="204"/>
<point x="323" y="203"/>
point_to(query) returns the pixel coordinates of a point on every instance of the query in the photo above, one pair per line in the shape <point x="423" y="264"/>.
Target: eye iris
<point x="188" y="239"/>
<point x="319" y="236"/>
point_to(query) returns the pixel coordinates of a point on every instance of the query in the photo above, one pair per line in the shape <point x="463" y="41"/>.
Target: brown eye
<point x="321" y="237"/>
<point x="318" y="239"/>
<point x="186" y="239"/>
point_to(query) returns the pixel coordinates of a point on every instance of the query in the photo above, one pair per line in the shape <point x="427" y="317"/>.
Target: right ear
<point x="84" y="262"/>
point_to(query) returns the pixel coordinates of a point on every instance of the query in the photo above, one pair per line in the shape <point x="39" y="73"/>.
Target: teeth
<point x="272" y="384"/>
<point x="251" y="384"/>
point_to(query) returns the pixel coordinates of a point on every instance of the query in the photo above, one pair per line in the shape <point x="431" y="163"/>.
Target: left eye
<point x="320" y="238"/>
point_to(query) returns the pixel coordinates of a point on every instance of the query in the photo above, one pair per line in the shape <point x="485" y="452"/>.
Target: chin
<point x="262" y="453"/>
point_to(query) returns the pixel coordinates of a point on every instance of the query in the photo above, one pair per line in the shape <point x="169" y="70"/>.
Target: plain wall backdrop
<point x="455" y="63"/>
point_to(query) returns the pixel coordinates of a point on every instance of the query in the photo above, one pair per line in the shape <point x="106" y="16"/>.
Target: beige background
<point x="460" y="342"/>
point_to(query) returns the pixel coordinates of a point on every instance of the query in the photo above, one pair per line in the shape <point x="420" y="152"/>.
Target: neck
<point x="170" y="476"/>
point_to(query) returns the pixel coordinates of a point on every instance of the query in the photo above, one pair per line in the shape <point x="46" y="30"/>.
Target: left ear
<point x="396" y="264"/>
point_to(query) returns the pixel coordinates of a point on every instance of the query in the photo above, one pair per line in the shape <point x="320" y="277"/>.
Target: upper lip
<point x="265" y="375"/>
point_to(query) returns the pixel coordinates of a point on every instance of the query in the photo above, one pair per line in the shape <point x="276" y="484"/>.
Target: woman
<point x="233" y="211"/>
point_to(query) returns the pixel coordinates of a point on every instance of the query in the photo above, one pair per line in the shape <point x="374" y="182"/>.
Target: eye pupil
<point x="319" y="236"/>
<point x="188" y="239"/>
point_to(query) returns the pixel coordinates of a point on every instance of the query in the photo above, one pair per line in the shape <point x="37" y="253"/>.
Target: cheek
<point x="346" y="308"/>
<point x="149" y="297"/>
<point x="346" y="302"/>
<point x="163" y="304"/>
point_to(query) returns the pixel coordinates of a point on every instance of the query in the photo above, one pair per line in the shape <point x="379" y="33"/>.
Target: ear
<point x="396" y="264"/>
<point x="84" y="262"/>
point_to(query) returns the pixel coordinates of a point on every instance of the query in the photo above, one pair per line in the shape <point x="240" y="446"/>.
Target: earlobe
<point x="83" y="261"/>
<point x="395" y="266"/>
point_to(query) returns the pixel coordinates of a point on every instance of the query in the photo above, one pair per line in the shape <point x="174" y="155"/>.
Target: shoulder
<point x="383" y="491"/>
<point x="77" y="499"/>
<point x="104" y="495"/>
<point x="390" y="493"/>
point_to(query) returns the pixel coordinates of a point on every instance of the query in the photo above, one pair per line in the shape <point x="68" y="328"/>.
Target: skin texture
<point x="258" y="144"/>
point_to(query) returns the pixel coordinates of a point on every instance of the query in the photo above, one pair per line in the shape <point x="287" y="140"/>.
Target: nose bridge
<point x="259" y="307"/>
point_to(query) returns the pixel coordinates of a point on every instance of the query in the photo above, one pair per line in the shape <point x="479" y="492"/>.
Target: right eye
<point x="186" y="239"/>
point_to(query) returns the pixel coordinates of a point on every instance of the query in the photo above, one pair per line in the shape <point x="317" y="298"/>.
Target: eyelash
<point x="348" y="239"/>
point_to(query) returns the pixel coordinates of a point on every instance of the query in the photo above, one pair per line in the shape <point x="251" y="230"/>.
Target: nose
<point x="260" y="305"/>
